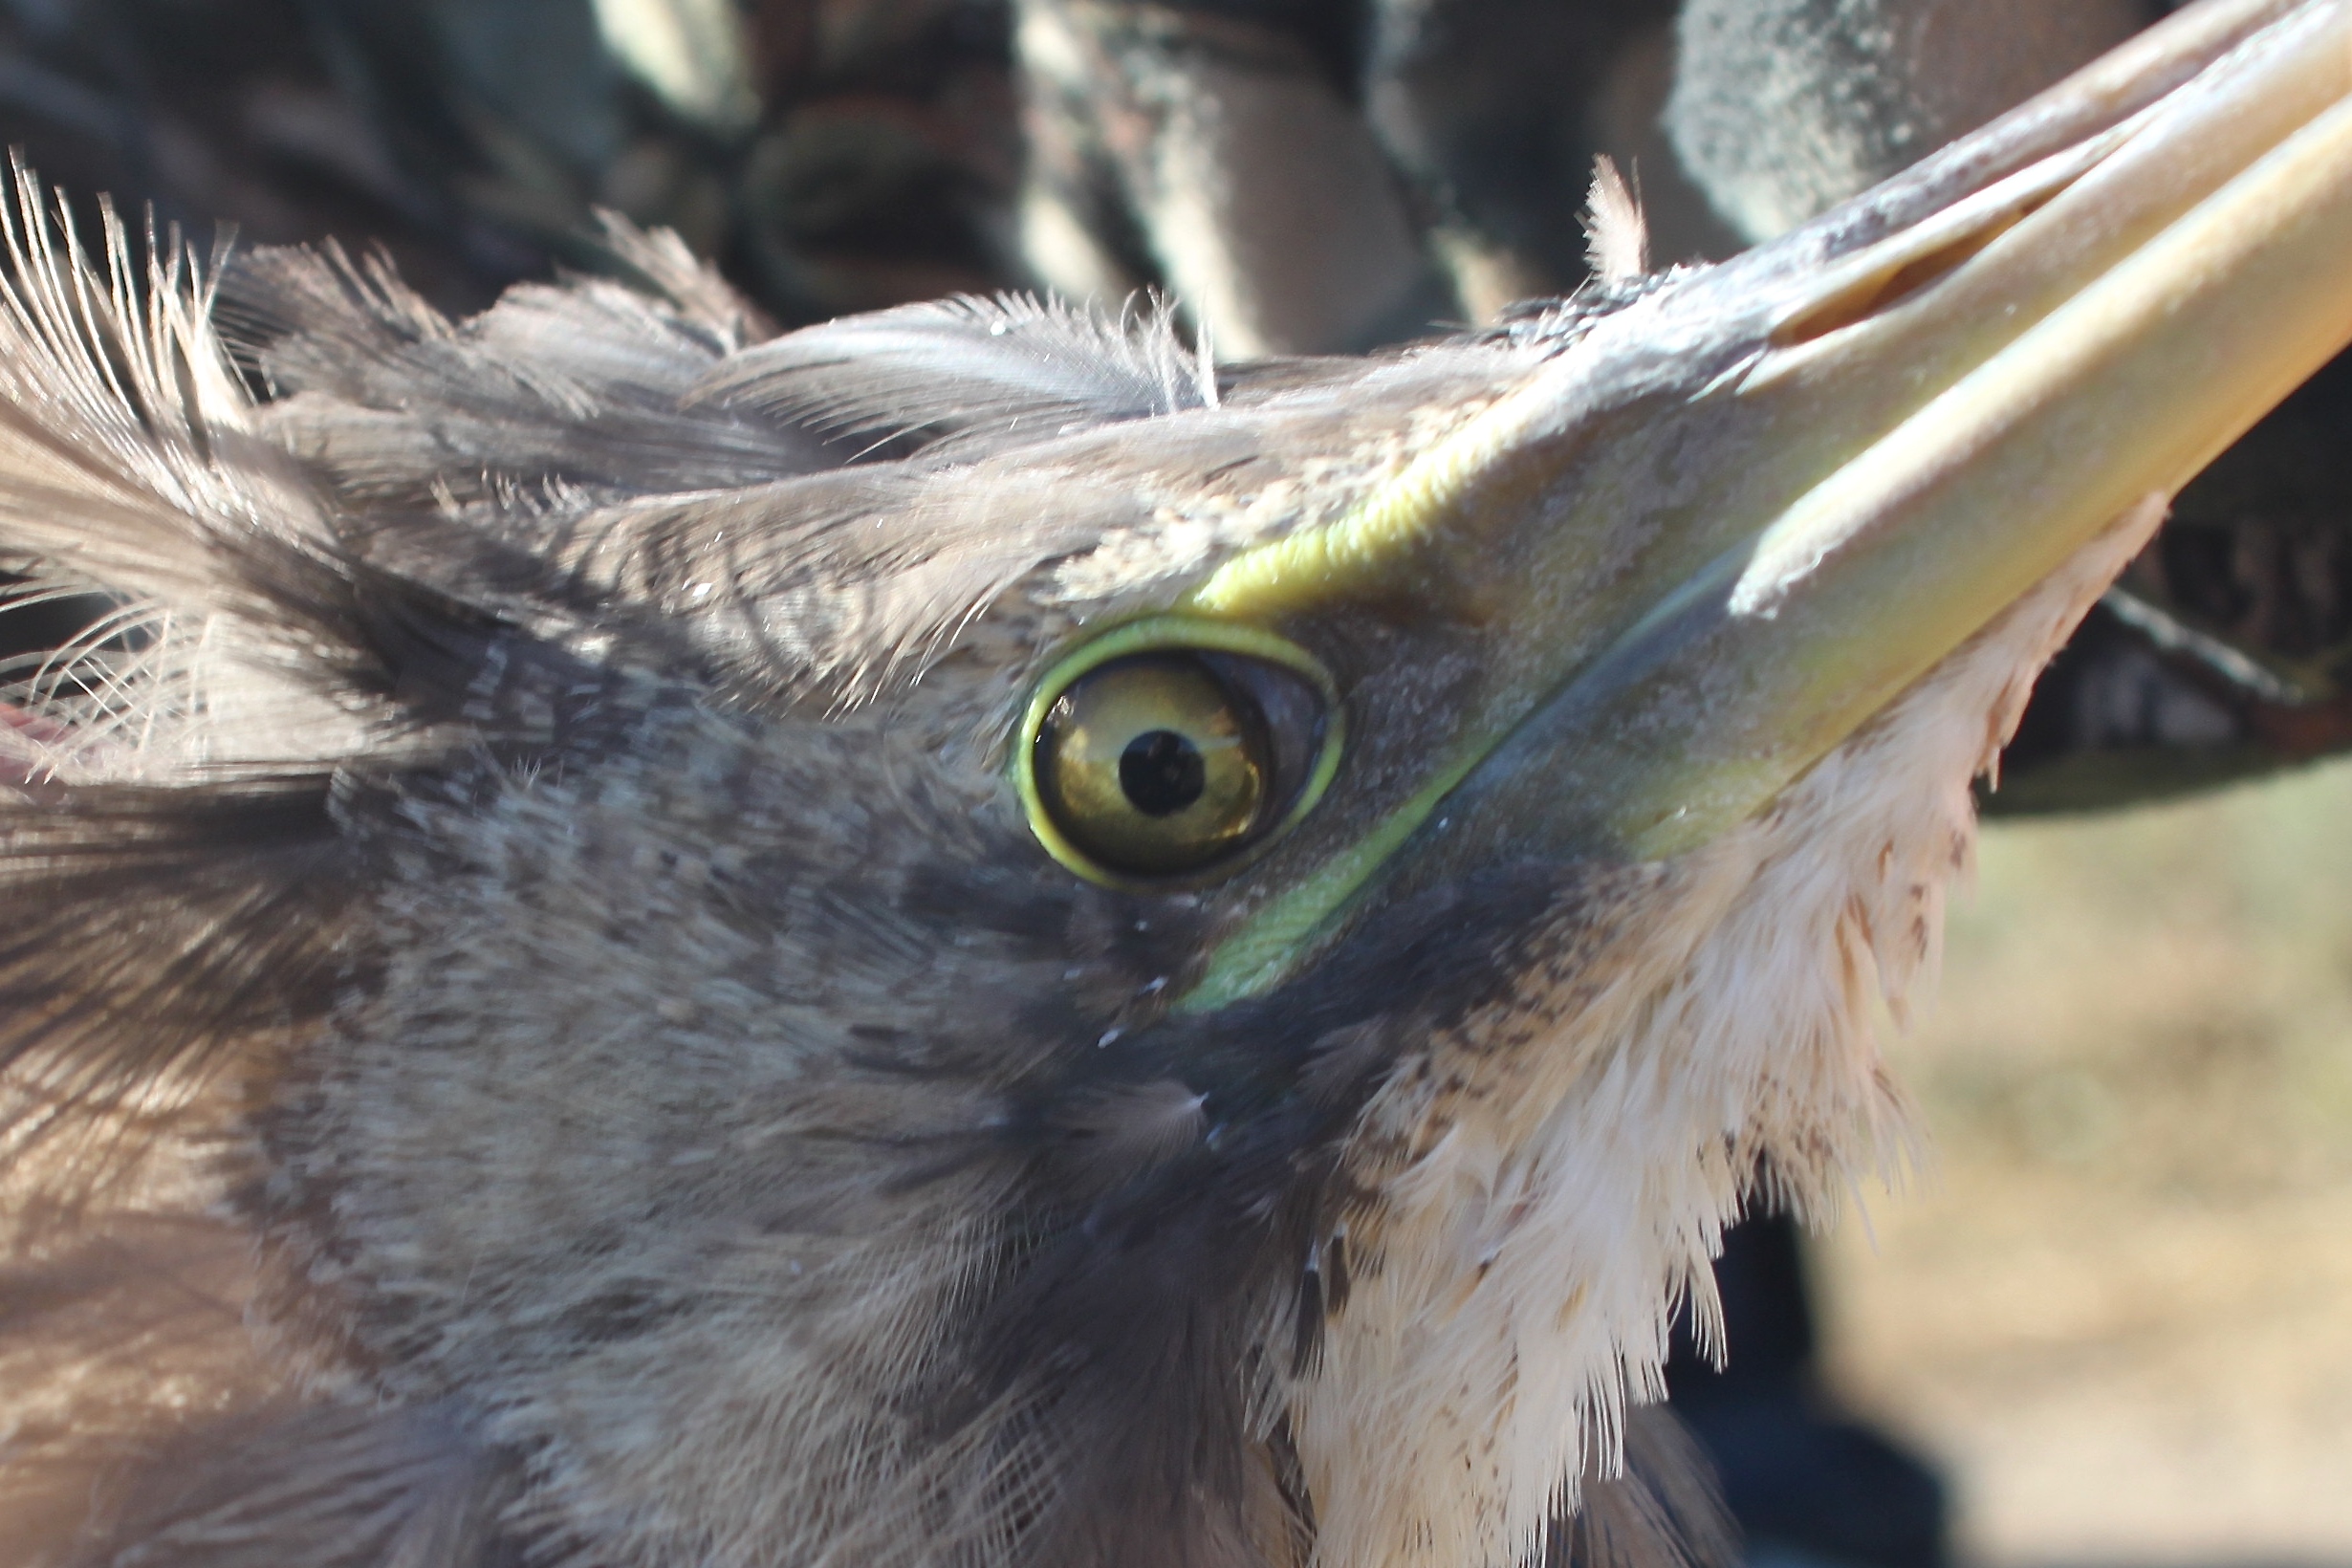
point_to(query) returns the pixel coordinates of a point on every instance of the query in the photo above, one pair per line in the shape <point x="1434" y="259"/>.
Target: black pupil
<point x="1161" y="772"/>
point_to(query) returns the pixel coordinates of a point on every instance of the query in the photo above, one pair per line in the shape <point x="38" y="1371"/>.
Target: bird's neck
<point x="1552" y="1175"/>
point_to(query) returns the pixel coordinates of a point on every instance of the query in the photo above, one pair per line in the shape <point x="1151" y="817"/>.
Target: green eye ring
<point x="1273" y="749"/>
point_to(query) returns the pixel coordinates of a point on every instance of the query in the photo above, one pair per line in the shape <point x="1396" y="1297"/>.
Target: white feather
<point x="1532" y="1256"/>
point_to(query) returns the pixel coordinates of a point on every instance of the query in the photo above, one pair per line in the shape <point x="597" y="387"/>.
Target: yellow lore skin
<point x="1937" y="422"/>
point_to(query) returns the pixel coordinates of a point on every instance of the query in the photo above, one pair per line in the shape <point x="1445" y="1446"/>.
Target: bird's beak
<point x="1910" y="413"/>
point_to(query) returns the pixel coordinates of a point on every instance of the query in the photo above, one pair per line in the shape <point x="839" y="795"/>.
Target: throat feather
<point x="1550" y="1176"/>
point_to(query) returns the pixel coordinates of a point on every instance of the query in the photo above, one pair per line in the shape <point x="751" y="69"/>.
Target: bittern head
<point x="963" y="937"/>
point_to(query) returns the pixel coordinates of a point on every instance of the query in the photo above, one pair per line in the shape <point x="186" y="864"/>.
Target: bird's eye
<point x="1153" y="766"/>
<point x="1173" y="749"/>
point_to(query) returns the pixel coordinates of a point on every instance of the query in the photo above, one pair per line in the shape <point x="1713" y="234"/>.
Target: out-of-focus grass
<point x="2120" y="1305"/>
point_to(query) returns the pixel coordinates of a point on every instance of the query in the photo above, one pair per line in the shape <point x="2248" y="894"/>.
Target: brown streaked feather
<point x="159" y="937"/>
<point x="584" y="384"/>
<point x="835" y="584"/>
<point x="121" y="1334"/>
<point x="806" y="511"/>
<point x="967" y="373"/>
<point x="335" y="1486"/>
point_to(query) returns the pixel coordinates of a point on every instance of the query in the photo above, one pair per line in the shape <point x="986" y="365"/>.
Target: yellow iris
<point x="1152" y="766"/>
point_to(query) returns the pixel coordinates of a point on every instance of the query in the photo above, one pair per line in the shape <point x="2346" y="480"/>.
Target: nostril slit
<point x="1876" y="294"/>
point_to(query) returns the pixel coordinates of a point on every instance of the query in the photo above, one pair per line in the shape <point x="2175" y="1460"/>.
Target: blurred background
<point x="2112" y="1323"/>
<point x="2117" y="1304"/>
